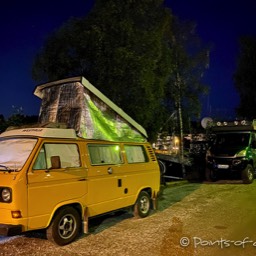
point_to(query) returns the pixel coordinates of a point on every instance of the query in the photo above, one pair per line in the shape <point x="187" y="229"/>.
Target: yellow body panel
<point x="94" y="189"/>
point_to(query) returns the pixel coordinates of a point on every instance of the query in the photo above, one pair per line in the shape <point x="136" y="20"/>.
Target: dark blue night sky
<point x="25" y="25"/>
<point x="220" y="23"/>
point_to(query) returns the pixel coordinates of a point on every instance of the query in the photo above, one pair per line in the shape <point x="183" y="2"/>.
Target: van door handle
<point x="110" y="170"/>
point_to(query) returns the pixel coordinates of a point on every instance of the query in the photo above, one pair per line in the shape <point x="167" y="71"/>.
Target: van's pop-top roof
<point x="81" y="106"/>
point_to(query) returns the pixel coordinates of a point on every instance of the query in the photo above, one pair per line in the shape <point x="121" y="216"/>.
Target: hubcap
<point x="67" y="226"/>
<point x="144" y="204"/>
<point x="250" y="174"/>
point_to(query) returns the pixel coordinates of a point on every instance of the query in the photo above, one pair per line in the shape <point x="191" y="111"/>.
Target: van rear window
<point x="135" y="154"/>
<point x="105" y="154"/>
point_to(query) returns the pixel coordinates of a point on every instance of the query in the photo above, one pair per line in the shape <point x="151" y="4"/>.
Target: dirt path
<point x="193" y="219"/>
<point x="216" y="219"/>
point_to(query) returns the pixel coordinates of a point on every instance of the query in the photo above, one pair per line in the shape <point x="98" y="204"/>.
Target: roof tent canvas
<point x="81" y="106"/>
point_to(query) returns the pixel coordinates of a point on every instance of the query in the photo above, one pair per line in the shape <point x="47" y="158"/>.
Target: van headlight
<point x="6" y="195"/>
<point x="241" y="153"/>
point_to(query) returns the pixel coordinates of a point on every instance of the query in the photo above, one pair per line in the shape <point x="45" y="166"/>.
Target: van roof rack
<point x="41" y="132"/>
<point x="242" y="125"/>
<point x="36" y="125"/>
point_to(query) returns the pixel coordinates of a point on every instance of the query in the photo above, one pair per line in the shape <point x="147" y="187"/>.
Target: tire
<point x="248" y="174"/>
<point x="210" y="175"/>
<point x="162" y="167"/>
<point x="64" y="227"/>
<point x="142" y="205"/>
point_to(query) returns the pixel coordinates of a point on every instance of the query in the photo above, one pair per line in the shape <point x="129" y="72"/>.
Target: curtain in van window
<point x="105" y="154"/>
<point x="135" y="154"/>
<point x="68" y="153"/>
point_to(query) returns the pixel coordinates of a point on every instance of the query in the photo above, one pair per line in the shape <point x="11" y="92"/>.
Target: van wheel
<point x="210" y="175"/>
<point x="248" y="174"/>
<point x="162" y="167"/>
<point x="64" y="227"/>
<point x="142" y="205"/>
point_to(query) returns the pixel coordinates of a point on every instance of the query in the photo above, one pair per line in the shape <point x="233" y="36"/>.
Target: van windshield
<point x="14" y="152"/>
<point x="232" y="140"/>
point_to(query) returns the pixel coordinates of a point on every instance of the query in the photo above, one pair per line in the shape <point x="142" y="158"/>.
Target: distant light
<point x="176" y="140"/>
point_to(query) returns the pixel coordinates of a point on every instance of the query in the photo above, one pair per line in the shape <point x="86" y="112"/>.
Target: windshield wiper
<point x="6" y="168"/>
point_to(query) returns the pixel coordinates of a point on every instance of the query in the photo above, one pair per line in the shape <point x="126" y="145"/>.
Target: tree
<point x="134" y="53"/>
<point x="190" y="60"/>
<point x="184" y="88"/>
<point x="121" y="48"/>
<point x="245" y="77"/>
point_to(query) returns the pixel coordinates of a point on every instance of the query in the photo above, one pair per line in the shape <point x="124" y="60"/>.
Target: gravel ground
<point x="193" y="219"/>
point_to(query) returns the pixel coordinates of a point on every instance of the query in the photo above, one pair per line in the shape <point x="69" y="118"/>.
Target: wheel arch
<point x="152" y="194"/>
<point x="77" y="206"/>
<point x="146" y="189"/>
<point x="252" y="163"/>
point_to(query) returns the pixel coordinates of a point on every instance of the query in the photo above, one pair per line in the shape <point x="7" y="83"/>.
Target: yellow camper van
<point x="51" y="179"/>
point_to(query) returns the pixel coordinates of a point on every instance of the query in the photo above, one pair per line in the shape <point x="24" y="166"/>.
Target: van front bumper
<point x="10" y="230"/>
<point x="227" y="164"/>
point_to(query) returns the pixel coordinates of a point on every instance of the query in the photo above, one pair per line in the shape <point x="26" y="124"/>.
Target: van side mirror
<point x="55" y="162"/>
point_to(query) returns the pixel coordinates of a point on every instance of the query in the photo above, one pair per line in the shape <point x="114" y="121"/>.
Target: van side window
<point x="101" y="154"/>
<point x="135" y="154"/>
<point x="40" y="162"/>
<point x="68" y="153"/>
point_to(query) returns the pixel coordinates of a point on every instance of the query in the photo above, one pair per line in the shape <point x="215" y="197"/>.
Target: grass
<point x="174" y="192"/>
